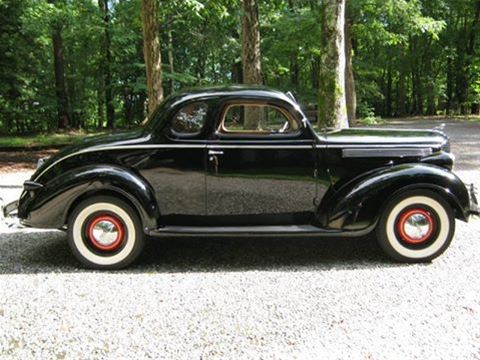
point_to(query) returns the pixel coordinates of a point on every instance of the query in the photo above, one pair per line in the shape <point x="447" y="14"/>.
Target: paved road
<point x="244" y="298"/>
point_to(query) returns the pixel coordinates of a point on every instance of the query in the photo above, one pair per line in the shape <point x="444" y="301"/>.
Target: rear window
<point x="190" y="119"/>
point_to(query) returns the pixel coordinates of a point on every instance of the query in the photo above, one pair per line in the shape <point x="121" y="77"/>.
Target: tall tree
<point x="332" y="107"/>
<point x="63" y="113"/>
<point x="251" y="59"/>
<point x="151" y="53"/>
<point x="350" y="92"/>
<point x="107" y="64"/>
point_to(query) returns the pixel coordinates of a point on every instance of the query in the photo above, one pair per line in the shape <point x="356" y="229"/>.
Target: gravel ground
<point x="244" y="298"/>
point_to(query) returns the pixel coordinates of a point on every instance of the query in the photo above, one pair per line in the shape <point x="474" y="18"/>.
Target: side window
<point x="190" y="119"/>
<point x="257" y="119"/>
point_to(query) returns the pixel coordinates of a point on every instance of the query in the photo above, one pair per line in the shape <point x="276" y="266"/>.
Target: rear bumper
<point x="8" y="214"/>
<point x="474" y="208"/>
<point x="8" y="210"/>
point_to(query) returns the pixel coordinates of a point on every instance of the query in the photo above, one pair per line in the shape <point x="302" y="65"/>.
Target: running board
<point x="291" y="230"/>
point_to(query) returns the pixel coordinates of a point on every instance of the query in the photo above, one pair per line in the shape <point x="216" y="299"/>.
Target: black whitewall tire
<point x="416" y="226"/>
<point x="105" y="233"/>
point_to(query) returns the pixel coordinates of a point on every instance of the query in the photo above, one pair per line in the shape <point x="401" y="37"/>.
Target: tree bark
<point x="100" y="104"/>
<point x="449" y="91"/>
<point x="236" y="71"/>
<point x="59" y="68"/>
<point x="401" y="89"/>
<point x="107" y="64"/>
<point x="170" y="57"/>
<point x="388" y="90"/>
<point x="251" y="60"/>
<point x="332" y="107"/>
<point x="151" y="53"/>
<point x="350" y="93"/>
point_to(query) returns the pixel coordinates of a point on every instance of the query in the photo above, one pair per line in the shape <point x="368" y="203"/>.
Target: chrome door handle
<point x="215" y="152"/>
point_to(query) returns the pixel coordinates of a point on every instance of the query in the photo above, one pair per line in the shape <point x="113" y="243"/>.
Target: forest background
<point x="94" y="64"/>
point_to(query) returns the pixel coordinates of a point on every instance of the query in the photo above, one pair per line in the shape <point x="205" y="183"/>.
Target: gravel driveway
<point x="244" y="298"/>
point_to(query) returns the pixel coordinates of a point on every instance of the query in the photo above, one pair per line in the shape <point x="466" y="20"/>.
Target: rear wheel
<point x="105" y="233"/>
<point x="416" y="226"/>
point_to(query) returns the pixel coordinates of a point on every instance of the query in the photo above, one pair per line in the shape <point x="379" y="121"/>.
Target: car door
<point x="260" y="167"/>
<point x="175" y="165"/>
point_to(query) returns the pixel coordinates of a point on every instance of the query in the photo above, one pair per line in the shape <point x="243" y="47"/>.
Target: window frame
<point x="189" y="135"/>
<point x="222" y="132"/>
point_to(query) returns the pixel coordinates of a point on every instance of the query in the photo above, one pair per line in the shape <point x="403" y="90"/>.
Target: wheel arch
<point x="51" y="205"/>
<point x="358" y="204"/>
<point x="116" y="193"/>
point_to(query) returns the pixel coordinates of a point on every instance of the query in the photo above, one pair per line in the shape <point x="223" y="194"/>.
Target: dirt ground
<point x="21" y="160"/>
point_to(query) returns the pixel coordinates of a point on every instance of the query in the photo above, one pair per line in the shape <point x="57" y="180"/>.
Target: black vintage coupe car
<point x="245" y="161"/>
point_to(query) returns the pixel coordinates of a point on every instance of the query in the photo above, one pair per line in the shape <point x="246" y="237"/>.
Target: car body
<point x="199" y="167"/>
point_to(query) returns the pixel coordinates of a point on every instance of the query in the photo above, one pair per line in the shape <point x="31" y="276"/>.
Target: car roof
<point x="252" y="91"/>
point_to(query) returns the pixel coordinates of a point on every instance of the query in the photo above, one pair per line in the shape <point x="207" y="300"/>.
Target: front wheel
<point x="416" y="226"/>
<point x="105" y="233"/>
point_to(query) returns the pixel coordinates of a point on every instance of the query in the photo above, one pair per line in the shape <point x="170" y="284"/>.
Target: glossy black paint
<point x="305" y="178"/>
<point x="49" y="206"/>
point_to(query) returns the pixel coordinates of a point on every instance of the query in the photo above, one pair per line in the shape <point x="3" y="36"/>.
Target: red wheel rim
<point x="105" y="232"/>
<point x="407" y="224"/>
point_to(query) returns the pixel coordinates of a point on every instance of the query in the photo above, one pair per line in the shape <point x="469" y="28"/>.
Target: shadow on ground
<point x="46" y="252"/>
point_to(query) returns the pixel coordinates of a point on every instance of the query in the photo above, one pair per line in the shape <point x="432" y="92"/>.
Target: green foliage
<point x="367" y="115"/>
<point x="410" y="56"/>
<point x="42" y="140"/>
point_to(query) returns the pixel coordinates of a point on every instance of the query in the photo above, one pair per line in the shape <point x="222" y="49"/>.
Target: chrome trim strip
<point x="398" y="152"/>
<point x="158" y="146"/>
<point x="260" y="147"/>
<point x="356" y="149"/>
<point x="383" y="146"/>
<point x="170" y="146"/>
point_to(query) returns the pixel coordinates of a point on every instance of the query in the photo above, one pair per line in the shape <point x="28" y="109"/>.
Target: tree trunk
<point x="314" y="69"/>
<point x="151" y="53"/>
<point x="449" y="91"/>
<point x="236" y="71"/>
<point x="431" y="98"/>
<point x="107" y="65"/>
<point x="170" y="58"/>
<point x="100" y="104"/>
<point x="294" y="72"/>
<point x="251" y="60"/>
<point x="350" y="93"/>
<point x="388" y="92"/>
<point x="59" y="67"/>
<point x="401" y="88"/>
<point x="332" y="107"/>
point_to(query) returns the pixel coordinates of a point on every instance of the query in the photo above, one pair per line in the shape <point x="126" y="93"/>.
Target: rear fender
<point x="357" y="205"/>
<point x="49" y="206"/>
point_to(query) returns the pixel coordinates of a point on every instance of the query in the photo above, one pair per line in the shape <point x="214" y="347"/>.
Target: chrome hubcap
<point x="105" y="232"/>
<point x="417" y="226"/>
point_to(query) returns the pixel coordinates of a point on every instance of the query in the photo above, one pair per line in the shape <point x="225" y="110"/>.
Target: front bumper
<point x="474" y="208"/>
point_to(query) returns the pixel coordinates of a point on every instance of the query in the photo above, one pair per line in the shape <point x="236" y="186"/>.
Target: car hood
<point x="96" y="142"/>
<point x="373" y="136"/>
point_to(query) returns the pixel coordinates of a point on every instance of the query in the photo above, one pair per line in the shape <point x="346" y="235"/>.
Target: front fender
<point x="357" y="204"/>
<point x="48" y="206"/>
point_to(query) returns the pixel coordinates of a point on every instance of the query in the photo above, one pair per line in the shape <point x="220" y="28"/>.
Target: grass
<point x="42" y="140"/>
